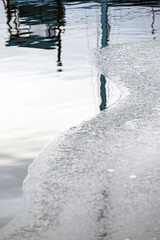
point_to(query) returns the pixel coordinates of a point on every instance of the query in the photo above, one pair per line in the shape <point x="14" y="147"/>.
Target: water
<point x="40" y="94"/>
<point x="47" y="84"/>
<point x="100" y="180"/>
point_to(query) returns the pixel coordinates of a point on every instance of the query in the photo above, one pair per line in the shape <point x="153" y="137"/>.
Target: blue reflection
<point x="104" y="42"/>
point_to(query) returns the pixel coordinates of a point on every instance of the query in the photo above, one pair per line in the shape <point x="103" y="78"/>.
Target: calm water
<point x="46" y="82"/>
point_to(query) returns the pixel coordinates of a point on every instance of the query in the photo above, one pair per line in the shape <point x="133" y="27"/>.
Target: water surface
<point x="47" y="84"/>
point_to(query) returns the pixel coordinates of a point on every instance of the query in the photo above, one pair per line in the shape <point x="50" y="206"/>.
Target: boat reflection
<point x="35" y="24"/>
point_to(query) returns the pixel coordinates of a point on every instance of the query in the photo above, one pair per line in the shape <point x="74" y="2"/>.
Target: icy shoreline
<point x="101" y="180"/>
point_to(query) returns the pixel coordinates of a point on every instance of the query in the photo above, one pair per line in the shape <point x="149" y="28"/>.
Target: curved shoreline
<point x="100" y="179"/>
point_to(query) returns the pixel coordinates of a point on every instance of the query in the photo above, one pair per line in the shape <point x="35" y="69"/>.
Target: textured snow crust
<point x="101" y="180"/>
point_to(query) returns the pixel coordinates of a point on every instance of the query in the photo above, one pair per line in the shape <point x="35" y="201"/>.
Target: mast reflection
<point x="104" y="42"/>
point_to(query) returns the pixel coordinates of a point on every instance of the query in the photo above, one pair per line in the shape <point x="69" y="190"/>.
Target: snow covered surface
<point x="101" y="180"/>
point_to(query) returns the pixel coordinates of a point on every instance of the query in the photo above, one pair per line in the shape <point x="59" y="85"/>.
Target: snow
<point x="72" y="192"/>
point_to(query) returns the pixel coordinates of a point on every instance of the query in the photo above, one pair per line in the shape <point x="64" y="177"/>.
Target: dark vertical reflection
<point x="104" y="42"/>
<point x="153" y="21"/>
<point x="103" y="92"/>
<point x="104" y="23"/>
<point x="59" y="62"/>
<point x="8" y="14"/>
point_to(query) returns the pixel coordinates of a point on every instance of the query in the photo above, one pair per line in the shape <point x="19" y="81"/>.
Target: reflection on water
<point x="105" y="39"/>
<point x="103" y="104"/>
<point x="35" y="24"/>
<point x="40" y="24"/>
<point x="48" y="32"/>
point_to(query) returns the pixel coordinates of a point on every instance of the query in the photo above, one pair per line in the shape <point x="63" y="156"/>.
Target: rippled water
<point x="46" y="82"/>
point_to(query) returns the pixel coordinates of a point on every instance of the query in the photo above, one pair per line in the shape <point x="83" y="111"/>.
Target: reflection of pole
<point x="9" y="16"/>
<point x="104" y="23"/>
<point x="59" y="62"/>
<point x="103" y="92"/>
<point x="105" y="34"/>
<point x="153" y="21"/>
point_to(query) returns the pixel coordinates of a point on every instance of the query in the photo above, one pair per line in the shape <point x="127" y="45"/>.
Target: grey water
<point x="46" y="82"/>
